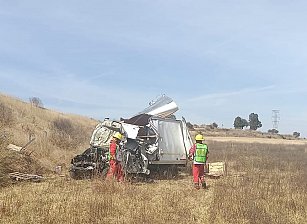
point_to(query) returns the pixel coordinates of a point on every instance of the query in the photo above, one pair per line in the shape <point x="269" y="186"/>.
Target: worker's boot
<point x="196" y="186"/>
<point x="204" y="185"/>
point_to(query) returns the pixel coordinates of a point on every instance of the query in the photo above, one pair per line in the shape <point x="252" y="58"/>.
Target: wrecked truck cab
<point x="94" y="160"/>
<point x="153" y="140"/>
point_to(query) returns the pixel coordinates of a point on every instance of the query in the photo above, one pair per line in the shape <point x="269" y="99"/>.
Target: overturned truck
<point x="154" y="142"/>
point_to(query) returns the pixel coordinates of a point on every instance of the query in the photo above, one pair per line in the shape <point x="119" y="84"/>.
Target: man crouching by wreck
<point x="115" y="158"/>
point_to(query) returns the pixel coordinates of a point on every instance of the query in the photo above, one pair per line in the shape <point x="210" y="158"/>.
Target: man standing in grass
<point x="115" y="170"/>
<point x="199" y="153"/>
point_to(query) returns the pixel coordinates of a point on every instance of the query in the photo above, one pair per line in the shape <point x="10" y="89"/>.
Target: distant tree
<point x="254" y="122"/>
<point x="296" y="134"/>
<point x="273" y="131"/>
<point x="36" y="102"/>
<point x="214" y="125"/>
<point x="240" y="123"/>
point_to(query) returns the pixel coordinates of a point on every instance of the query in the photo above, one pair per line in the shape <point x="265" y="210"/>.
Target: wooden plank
<point x="14" y="147"/>
<point x="22" y="176"/>
<point x="216" y="169"/>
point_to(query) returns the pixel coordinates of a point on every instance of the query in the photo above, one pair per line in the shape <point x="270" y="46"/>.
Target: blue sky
<point x="216" y="59"/>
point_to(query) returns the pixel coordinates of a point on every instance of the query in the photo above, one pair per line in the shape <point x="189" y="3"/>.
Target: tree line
<point x="253" y="122"/>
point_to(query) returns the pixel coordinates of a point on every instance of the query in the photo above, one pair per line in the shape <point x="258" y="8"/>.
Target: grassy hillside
<point x="57" y="136"/>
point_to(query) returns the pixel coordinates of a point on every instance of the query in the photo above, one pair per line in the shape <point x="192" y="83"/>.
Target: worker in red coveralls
<point x="115" y="170"/>
<point x="199" y="153"/>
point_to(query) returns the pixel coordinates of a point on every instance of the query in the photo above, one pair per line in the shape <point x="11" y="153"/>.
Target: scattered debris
<point x="25" y="177"/>
<point x="58" y="170"/>
<point x="19" y="148"/>
<point x="14" y="147"/>
<point x="216" y="169"/>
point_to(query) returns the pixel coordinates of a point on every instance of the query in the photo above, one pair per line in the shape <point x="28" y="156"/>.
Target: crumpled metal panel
<point x="162" y="107"/>
<point x="131" y="130"/>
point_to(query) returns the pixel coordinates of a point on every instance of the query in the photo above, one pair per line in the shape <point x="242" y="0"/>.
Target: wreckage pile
<point x="12" y="161"/>
<point x="154" y="140"/>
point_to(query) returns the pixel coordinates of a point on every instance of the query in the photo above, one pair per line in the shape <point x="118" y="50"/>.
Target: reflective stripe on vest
<point x="201" y="153"/>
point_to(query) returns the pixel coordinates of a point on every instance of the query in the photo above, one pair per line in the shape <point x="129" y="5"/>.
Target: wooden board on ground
<point x="25" y="177"/>
<point x="216" y="169"/>
<point x="14" y="147"/>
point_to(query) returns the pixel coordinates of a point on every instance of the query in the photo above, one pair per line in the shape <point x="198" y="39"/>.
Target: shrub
<point x="66" y="134"/>
<point x="215" y="125"/>
<point x="36" y="102"/>
<point x="273" y="131"/>
<point x="63" y="125"/>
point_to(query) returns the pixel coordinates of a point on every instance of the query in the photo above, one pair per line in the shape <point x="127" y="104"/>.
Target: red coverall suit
<point x="115" y="169"/>
<point x="198" y="170"/>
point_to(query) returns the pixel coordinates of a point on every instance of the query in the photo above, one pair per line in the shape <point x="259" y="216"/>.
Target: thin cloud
<point x="233" y="93"/>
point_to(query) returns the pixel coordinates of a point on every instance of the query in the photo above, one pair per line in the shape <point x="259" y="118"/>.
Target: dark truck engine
<point x="92" y="162"/>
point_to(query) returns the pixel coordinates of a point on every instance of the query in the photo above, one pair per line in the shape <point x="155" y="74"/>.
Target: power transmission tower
<point x="275" y="119"/>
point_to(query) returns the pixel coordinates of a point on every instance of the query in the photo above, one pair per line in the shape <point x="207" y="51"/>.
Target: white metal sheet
<point x="131" y="130"/>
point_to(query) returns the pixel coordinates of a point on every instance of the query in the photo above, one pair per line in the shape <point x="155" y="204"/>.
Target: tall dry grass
<point x="97" y="201"/>
<point x="265" y="184"/>
<point x="20" y="121"/>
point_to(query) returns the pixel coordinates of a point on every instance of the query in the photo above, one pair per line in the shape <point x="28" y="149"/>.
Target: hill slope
<point x="58" y="136"/>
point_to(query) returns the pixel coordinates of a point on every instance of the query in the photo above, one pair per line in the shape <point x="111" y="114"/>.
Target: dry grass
<point x="271" y="188"/>
<point x="63" y="201"/>
<point x="27" y="121"/>
<point x="266" y="183"/>
<point x="249" y="140"/>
